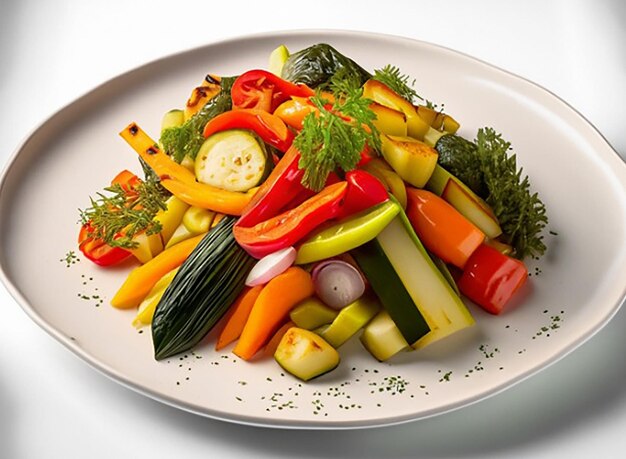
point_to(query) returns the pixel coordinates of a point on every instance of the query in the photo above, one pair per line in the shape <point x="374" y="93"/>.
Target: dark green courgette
<point x="454" y="153"/>
<point x="316" y="64"/>
<point x="205" y="286"/>
<point x="390" y="290"/>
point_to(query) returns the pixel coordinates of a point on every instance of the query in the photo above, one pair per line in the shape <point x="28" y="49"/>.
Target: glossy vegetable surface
<point x="205" y="286"/>
<point x="490" y="279"/>
<point x="264" y="91"/>
<point x="271" y="308"/>
<point x="442" y="229"/>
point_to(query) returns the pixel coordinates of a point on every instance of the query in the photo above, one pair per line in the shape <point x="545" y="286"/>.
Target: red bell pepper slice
<point x="286" y="229"/>
<point x="490" y="278"/>
<point x="99" y="251"/>
<point x="282" y="185"/>
<point x="267" y="126"/>
<point x="263" y="90"/>
<point x="364" y="191"/>
<point x="96" y="249"/>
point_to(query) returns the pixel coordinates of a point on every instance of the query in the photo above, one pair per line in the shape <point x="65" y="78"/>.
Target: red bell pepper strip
<point x="364" y="191"/>
<point x="490" y="278"/>
<point x="267" y="126"/>
<point x="286" y="229"/>
<point x="263" y="90"/>
<point x="282" y="185"/>
<point x="442" y="228"/>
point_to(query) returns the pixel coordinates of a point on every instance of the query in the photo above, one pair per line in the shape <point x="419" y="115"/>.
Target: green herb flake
<point x="70" y="259"/>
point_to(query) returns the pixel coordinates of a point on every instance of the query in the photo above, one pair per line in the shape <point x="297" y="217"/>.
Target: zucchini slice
<point x="305" y="354"/>
<point x="382" y="338"/>
<point x="234" y="160"/>
<point x="391" y="291"/>
<point x="442" y="308"/>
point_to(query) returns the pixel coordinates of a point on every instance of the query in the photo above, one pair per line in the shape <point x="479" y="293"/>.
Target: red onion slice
<point x="337" y="283"/>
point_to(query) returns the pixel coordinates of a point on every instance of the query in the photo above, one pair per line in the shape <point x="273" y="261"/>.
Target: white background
<point x="52" y="405"/>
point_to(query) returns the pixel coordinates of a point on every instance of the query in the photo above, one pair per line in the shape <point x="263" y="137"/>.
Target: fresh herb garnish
<point x="186" y="140"/>
<point x="487" y="167"/>
<point x="335" y="136"/>
<point x="398" y="82"/>
<point x="520" y="212"/>
<point x="116" y="215"/>
<point x="402" y="84"/>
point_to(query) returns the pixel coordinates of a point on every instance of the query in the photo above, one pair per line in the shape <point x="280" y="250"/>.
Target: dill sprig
<point x="521" y="213"/>
<point x="397" y="81"/>
<point x="337" y="133"/>
<point x="117" y="214"/>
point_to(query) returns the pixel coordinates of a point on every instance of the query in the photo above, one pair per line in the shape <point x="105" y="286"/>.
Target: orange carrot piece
<point x="273" y="343"/>
<point x="270" y="309"/>
<point x="240" y="311"/>
<point x="141" y="280"/>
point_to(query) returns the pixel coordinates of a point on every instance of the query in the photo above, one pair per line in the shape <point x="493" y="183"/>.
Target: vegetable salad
<point x="298" y="207"/>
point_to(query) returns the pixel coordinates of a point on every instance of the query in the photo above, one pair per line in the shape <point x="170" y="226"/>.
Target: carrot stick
<point x="141" y="280"/>
<point x="270" y="309"/>
<point x="240" y="311"/>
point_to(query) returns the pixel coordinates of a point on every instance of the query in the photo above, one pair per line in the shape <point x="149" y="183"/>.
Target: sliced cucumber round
<point x="234" y="160"/>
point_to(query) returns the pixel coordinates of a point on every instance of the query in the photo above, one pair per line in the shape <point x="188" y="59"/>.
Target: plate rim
<point x="258" y="421"/>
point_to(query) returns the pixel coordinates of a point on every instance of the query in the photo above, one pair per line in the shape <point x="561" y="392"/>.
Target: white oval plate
<point x="573" y="291"/>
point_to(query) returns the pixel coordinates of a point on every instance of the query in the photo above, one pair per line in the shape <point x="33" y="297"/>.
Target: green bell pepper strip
<point x="348" y="233"/>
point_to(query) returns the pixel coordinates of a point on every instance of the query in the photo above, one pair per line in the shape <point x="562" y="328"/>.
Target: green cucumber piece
<point x="382" y="338"/>
<point x="305" y="354"/>
<point x="347" y="233"/>
<point x="350" y="320"/>
<point x="311" y="314"/>
<point x="442" y="308"/>
<point x="234" y="160"/>
<point x="391" y="291"/>
<point x="445" y="272"/>
<point x="203" y="289"/>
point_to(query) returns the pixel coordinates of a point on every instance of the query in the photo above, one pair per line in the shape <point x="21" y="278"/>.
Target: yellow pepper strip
<point x="150" y="152"/>
<point x="150" y="302"/>
<point x="208" y="197"/>
<point x="180" y="181"/>
<point x="141" y="280"/>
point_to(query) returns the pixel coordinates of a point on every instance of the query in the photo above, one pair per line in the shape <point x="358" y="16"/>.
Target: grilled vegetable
<point x="316" y="64"/>
<point x="235" y="160"/>
<point x="305" y="354"/>
<point x="205" y="286"/>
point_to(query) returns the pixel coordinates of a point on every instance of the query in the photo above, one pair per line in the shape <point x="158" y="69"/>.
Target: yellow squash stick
<point x="141" y="280"/>
<point x="180" y="181"/>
